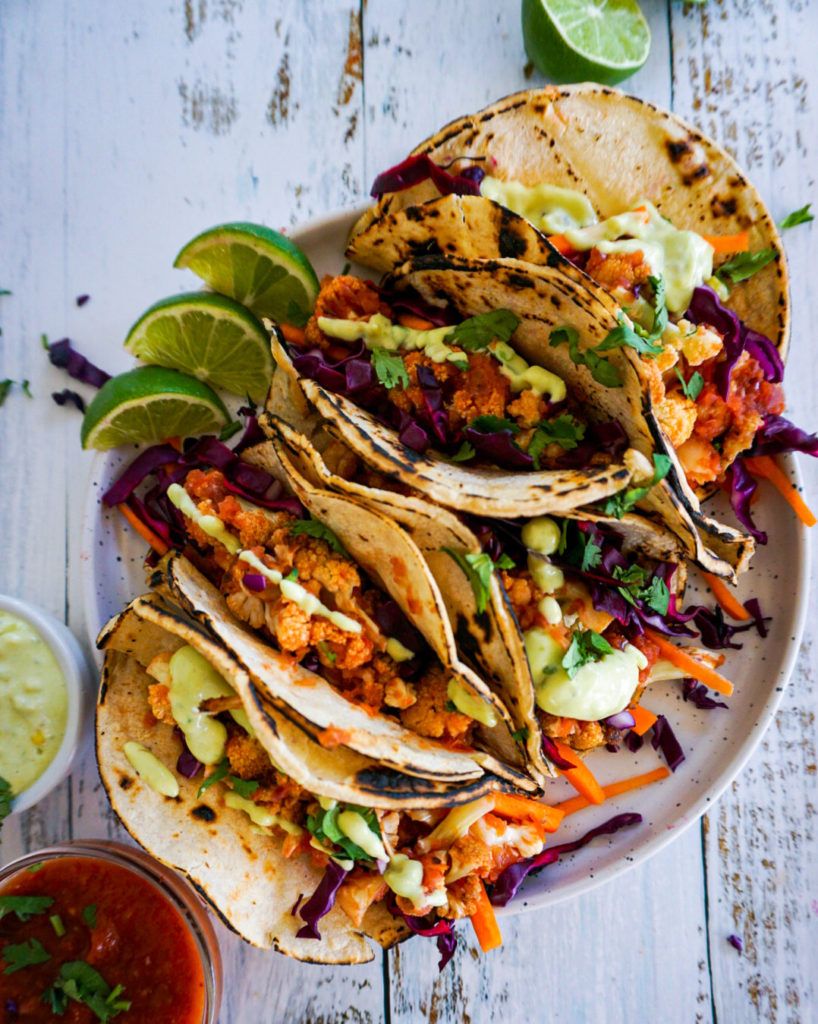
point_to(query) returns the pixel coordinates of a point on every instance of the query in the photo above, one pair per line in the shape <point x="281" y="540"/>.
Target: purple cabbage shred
<point x="549" y="748"/>
<point x="420" y="167"/>
<point x="664" y="738"/>
<point x="67" y="395"/>
<point x="254" y="581"/>
<point x="442" y="931"/>
<point x="322" y="900"/>
<point x="742" y="486"/>
<point x="82" y="299"/>
<point x="621" y="720"/>
<point x="696" y="693"/>
<point x="186" y="764"/>
<point x="65" y="356"/>
<point x="735" y="942"/>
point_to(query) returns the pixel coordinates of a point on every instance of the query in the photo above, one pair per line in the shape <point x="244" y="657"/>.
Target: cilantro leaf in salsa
<point x="24" y="954"/>
<point x="586" y="647"/>
<point x="89" y="915"/>
<point x="389" y="368"/>
<point x="603" y="371"/>
<point x="744" y="265"/>
<point x="24" y="906"/>
<point x="802" y="216"/>
<point x="80" y="982"/>
<point x="479" y="569"/>
<point x="312" y="528"/>
<point x="618" y="504"/>
<point x="5" y="387"/>
<point x="692" y="388"/>
<point x="479" y="331"/>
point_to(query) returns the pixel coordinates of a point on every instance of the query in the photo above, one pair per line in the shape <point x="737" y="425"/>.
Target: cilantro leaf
<point x="465" y="452"/>
<point x="324" y="826"/>
<point x="656" y="596"/>
<point x="479" y="331"/>
<point x="330" y="655"/>
<point x="24" y="954"/>
<point x="618" y="504"/>
<point x="479" y="569"/>
<point x="692" y="388"/>
<point x="220" y="772"/>
<point x="312" y="528"/>
<point x="521" y="735"/>
<point x="601" y="369"/>
<point x="26" y="386"/>
<point x="244" y="787"/>
<point x="637" y="337"/>
<point x="586" y="647"/>
<point x="389" y="368"/>
<point x="24" y="906"/>
<point x="6" y="798"/>
<point x="564" y="430"/>
<point x="493" y="425"/>
<point x="89" y="915"/>
<point x="797" y="217"/>
<point x="592" y="555"/>
<point x="82" y="983"/>
<point x="450" y="705"/>
<point x="744" y="265"/>
<point x="5" y="387"/>
<point x="292" y="575"/>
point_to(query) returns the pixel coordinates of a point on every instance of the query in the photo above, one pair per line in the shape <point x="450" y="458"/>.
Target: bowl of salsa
<point x="98" y="931"/>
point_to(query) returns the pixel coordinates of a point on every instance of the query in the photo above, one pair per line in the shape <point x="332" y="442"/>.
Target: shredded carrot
<point x="509" y="805"/>
<point x="577" y="803"/>
<point x="417" y="323"/>
<point x="155" y="541"/>
<point x="485" y="923"/>
<point x="643" y="718"/>
<point x="644" y="211"/>
<point x="729" y="243"/>
<point x="580" y="776"/>
<point x="561" y="244"/>
<point x="559" y="632"/>
<point x="689" y="666"/>
<point x="765" y="466"/>
<point x="728" y="601"/>
<point x="293" y="334"/>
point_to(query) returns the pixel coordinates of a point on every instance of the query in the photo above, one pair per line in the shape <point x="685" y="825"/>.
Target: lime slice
<point x="585" y="40"/>
<point x="151" y="403"/>
<point x="208" y="336"/>
<point x="256" y="266"/>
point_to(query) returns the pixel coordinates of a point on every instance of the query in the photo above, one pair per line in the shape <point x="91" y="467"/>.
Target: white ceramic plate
<point x="717" y="743"/>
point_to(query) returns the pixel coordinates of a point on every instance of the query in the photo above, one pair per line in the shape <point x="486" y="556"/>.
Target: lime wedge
<point x="208" y="336"/>
<point x="585" y="40"/>
<point x="150" y="403"/>
<point x="255" y="266"/>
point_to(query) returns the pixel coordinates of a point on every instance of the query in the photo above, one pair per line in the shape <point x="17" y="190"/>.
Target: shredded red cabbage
<point x="777" y="435"/>
<point x="67" y="395"/>
<point x="549" y="748"/>
<point x="742" y="486"/>
<point x="499" y="448"/>
<point x="441" y="929"/>
<point x="735" y="942"/>
<point x="753" y="606"/>
<point x="440" y="317"/>
<point x="633" y="741"/>
<point x="663" y="737"/>
<point x="82" y="299"/>
<point x="697" y="694"/>
<point x="322" y="900"/>
<point x="63" y="354"/>
<point x="147" y="462"/>
<point x="254" y="581"/>
<point x="415" y="169"/>
<point x="186" y="764"/>
<point x="506" y="886"/>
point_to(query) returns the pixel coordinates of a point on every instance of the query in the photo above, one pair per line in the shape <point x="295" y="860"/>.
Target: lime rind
<point x="256" y="266"/>
<point x="211" y="337"/>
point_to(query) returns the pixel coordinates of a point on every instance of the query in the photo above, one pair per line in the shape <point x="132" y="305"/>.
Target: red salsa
<point x="104" y="927"/>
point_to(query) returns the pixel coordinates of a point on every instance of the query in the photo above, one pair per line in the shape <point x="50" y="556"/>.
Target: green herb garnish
<point x="312" y="528"/>
<point x="479" y="331"/>
<point x="80" y="982"/>
<point x="57" y="925"/>
<point x="637" y="337"/>
<point x="493" y="425"/>
<point x="244" y="787"/>
<point x="563" y="430"/>
<point x="221" y="771"/>
<point x="465" y="452"/>
<point x="618" y="504"/>
<point x="24" y="906"/>
<point x="89" y="915"/>
<point x="744" y="265"/>
<point x="389" y="368"/>
<point x="5" y="387"/>
<point x="228" y="431"/>
<point x="24" y="954"/>
<point x="603" y="371"/>
<point x="479" y="570"/>
<point x="330" y="655"/>
<point x="797" y="217"/>
<point x="324" y="826"/>
<point x="521" y="735"/>
<point x="26" y="386"/>
<point x="692" y="388"/>
<point x="586" y="647"/>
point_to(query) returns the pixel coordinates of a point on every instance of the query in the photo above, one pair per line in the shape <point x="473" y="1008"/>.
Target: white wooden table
<point x="128" y="127"/>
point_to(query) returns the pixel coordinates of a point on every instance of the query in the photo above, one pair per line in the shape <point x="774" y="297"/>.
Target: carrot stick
<point x="725" y="597"/>
<point x="689" y="666"/>
<point x="729" y="243"/>
<point x="485" y="923"/>
<point x="580" y="776"/>
<point x="155" y="541"/>
<point x="561" y="244"/>
<point x="417" y="323"/>
<point x="509" y="805"/>
<point x="293" y="334"/>
<point x="577" y="803"/>
<point x="765" y="466"/>
<point x="643" y="718"/>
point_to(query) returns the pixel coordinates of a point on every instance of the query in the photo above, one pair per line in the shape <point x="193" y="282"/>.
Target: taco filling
<point x="291" y="580"/>
<point x="460" y="388"/>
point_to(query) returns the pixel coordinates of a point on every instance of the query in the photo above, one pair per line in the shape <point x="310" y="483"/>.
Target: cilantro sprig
<point x="647" y="342"/>
<point x="6" y="798"/>
<point x="244" y="787"/>
<point x="586" y="647"/>
<point x="637" y="584"/>
<point x="479" y="569"/>
<point x="389" y="368"/>
<point x="24" y="907"/>
<point x="312" y="528"/>
<point x="563" y="430"/>
<point x="802" y="216"/>
<point x="79" y="982"/>
<point x="24" y="954"/>
<point x="623" y="501"/>
<point x="692" y="388"/>
<point x="479" y="331"/>
<point x="602" y="370"/>
<point x="744" y="265"/>
<point x="324" y="826"/>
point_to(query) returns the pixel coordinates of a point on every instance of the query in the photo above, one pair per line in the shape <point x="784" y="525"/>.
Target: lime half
<point x="255" y="266"/>
<point x="150" y="403"/>
<point x="585" y="40"/>
<point x="208" y="336"/>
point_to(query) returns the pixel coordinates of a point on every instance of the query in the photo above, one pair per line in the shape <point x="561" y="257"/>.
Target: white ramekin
<point x="74" y="668"/>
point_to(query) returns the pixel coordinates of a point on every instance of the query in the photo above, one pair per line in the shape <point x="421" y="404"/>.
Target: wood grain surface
<point x="128" y="127"/>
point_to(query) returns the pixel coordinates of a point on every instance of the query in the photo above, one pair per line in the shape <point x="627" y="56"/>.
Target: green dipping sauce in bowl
<point x="34" y="703"/>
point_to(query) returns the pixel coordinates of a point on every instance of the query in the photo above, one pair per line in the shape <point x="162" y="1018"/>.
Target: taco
<point x="658" y="217"/>
<point x="333" y="612"/>
<point x="307" y="851"/>
<point x="524" y="595"/>
<point x="485" y="405"/>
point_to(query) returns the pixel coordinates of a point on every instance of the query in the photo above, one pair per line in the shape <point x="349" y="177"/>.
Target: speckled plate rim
<point x="112" y="557"/>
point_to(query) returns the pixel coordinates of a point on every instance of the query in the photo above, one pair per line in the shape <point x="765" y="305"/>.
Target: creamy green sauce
<point x="354" y="827"/>
<point x="542" y="536"/>
<point x="380" y="332"/>
<point x="33" y="703"/>
<point x="260" y="815"/>
<point x="192" y="680"/>
<point x="599" y="689"/>
<point x="396" y="650"/>
<point x="211" y="525"/>
<point x="467" y="703"/>
<point x="551" y="209"/>
<point x="150" y="769"/>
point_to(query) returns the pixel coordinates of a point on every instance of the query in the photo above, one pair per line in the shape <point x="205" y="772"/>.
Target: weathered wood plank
<point x="743" y="71"/>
